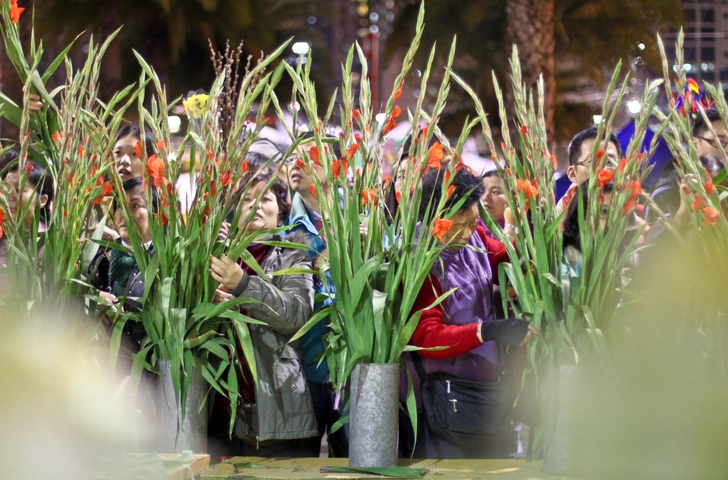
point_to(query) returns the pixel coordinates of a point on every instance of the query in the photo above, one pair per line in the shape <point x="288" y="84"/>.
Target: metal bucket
<point x="175" y="436"/>
<point x="374" y="410"/>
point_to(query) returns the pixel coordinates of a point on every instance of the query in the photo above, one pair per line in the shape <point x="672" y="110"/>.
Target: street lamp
<point x="300" y="48"/>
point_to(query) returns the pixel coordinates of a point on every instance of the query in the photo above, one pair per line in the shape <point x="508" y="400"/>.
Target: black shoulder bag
<point x="464" y="412"/>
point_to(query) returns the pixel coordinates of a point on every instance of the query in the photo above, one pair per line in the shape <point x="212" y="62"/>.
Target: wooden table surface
<point x="243" y="468"/>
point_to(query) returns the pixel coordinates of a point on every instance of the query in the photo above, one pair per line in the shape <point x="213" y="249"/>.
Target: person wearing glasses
<point x="707" y="142"/>
<point x="581" y="163"/>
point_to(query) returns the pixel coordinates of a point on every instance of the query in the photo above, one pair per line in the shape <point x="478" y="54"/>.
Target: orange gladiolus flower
<point x="155" y="167"/>
<point x="441" y="227"/>
<point x="553" y="161"/>
<point x="604" y="176"/>
<point x="622" y="165"/>
<point x="351" y="151"/>
<point x="709" y="188"/>
<point x="29" y="167"/>
<point x="15" y="12"/>
<point x="711" y="216"/>
<point x="524" y="130"/>
<point x="312" y="191"/>
<point x="355" y="113"/>
<point x="106" y="190"/>
<point x="227" y="179"/>
<point x="314" y="154"/>
<point x="161" y="146"/>
<point x="398" y="196"/>
<point x="387" y="179"/>
<point x="447" y="176"/>
<point x="138" y="149"/>
<point x="392" y="122"/>
<point x="528" y="190"/>
<point x="600" y="155"/>
<point x="450" y="190"/>
<point x="2" y="221"/>
<point x="56" y="137"/>
<point x="398" y="93"/>
<point x="300" y="164"/>
<point x="436" y="154"/>
<point x="699" y="203"/>
<point x="244" y="167"/>
<point x="213" y="188"/>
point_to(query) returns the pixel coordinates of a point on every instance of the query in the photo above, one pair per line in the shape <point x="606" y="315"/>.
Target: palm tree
<point x="575" y="46"/>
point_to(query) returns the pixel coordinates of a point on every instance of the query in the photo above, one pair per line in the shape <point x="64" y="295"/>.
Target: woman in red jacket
<point x="465" y="322"/>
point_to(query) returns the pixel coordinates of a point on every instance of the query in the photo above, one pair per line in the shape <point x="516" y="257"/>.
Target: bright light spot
<point x="634" y="106"/>
<point x="641" y="46"/>
<point x="311" y="20"/>
<point x="374" y="17"/>
<point x="597" y="119"/>
<point x="418" y="73"/>
<point x="374" y="29"/>
<point x="300" y="48"/>
<point x="175" y="123"/>
<point x="704" y="67"/>
<point x="294" y="107"/>
<point x="380" y="117"/>
<point x="687" y="67"/>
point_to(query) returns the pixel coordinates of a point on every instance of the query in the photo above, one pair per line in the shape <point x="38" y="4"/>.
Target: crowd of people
<point x="292" y="407"/>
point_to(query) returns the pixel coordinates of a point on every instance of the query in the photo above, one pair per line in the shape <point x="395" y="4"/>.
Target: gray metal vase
<point x="175" y="436"/>
<point x="374" y="411"/>
<point x="563" y="428"/>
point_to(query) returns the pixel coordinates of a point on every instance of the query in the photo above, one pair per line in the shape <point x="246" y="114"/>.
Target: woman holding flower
<point x="276" y="414"/>
<point x="465" y="322"/>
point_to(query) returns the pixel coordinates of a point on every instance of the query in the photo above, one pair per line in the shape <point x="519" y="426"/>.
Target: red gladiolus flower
<point x="392" y="122"/>
<point x="205" y="214"/>
<point x="164" y="217"/>
<point x="336" y="169"/>
<point x="604" y="177"/>
<point x="441" y="227"/>
<point x="138" y="149"/>
<point x="709" y="188"/>
<point x="699" y="203"/>
<point x="636" y="189"/>
<point x="524" y="130"/>
<point x="711" y="216"/>
<point x="15" y="12"/>
<point x="355" y="113"/>
<point x="100" y="181"/>
<point x="600" y="155"/>
<point x="622" y="165"/>
<point x="56" y="137"/>
<point x="106" y="190"/>
<point x="2" y="221"/>
<point x="213" y="188"/>
<point x="351" y="151"/>
<point x="155" y="167"/>
<point x="369" y="195"/>
<point x="161" y="146"/>
<point x="244" y="167"/>
<point x="450" y="190"/>
<point x="628" y="206"/>
<point x="227" y="179"/>
<point x="312" y="191"/>
<point x="314" y="154"/>
<point x="436" y="154"/>
<point x="553" y="161"/>
<point x="80" y="150"/>
<point x="398" y="93"/>
<point x="210" y="154"/>
<point x="387" y="179"/>
<point x="398" y="196"/>
<point x="447" y="176"/>
<point x="300" y="164"/>
<point x="29" y="167"/>
<point x="345" y="165"/>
